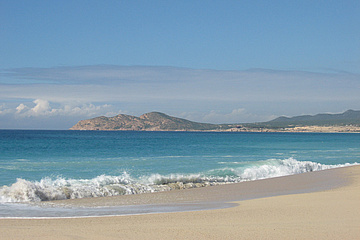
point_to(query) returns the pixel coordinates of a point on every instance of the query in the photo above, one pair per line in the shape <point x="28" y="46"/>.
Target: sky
<point x="217" y="61"/>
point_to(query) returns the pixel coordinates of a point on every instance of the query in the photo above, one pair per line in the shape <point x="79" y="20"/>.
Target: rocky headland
<point x="154" y="121"/>
<point x="348" y="121"/>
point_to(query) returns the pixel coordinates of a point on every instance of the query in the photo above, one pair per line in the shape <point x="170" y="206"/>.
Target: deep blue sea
<point x="38" y="166"/>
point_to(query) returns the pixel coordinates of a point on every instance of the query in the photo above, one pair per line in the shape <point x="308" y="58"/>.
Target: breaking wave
<point x="60" y="188"/>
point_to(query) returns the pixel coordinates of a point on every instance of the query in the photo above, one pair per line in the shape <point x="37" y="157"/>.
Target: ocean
<point x="37" y="165"/>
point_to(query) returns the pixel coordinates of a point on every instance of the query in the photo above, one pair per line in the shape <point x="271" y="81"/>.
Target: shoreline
<point x="309" y="129"/>
<point x="291" y="184"/>
<point x="298" y="129"/>
<point x="184" y="200"/>
<point x="315" y="205"/>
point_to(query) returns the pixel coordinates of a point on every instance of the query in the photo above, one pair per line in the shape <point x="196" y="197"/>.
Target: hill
<point x="154" y="121"/>
<point x="349" y="117"/>
<point x="348" y="121"/>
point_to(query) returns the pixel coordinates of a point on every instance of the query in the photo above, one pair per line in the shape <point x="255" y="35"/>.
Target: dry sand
<point x="333" y="213"/>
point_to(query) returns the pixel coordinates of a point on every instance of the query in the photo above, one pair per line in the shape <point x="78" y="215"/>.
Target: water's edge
<point x="208" y="198"/>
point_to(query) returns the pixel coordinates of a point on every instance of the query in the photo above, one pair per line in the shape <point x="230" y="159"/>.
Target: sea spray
<point x="276" y="168"/>
<point x="105" y="185"/>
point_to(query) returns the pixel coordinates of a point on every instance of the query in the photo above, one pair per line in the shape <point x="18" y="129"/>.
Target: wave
<point x="60" y="188"/>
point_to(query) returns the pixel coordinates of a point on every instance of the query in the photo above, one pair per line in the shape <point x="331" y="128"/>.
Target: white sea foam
<point x="60" y="188"/>
<point x="276" y="168"/>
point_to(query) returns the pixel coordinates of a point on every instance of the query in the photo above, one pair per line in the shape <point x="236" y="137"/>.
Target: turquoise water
<point x="48" y="165"/>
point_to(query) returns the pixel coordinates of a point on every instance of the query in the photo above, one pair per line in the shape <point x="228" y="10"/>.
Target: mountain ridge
<point x="345" y="118"/>
<point x="349" y="121"/>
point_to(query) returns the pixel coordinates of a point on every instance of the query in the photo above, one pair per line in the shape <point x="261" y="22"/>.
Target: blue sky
<point x="208" y="61"/>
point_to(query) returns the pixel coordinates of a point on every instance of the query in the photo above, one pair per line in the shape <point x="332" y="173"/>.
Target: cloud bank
<point x="42" y="108"/>
<point x="199" y="94"/>
<point x="40" y="111"/>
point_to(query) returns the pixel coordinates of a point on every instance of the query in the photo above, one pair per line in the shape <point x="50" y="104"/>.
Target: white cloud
<point x="83" y="110"/>
<point x="43" y="114"/>
<point x="85" y="91"/>
<point x="43" y="108"/>
<point x="5" y="111"/>
<point x="21" y="108"/>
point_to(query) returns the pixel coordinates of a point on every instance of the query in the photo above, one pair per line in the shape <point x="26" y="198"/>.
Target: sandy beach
<point x="315" y="205"/>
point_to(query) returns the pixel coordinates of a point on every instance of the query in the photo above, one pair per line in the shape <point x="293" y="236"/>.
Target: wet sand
<point x="316" y="205"/>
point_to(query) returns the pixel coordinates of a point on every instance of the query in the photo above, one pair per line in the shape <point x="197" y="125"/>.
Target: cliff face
<point x="153" y="121"/>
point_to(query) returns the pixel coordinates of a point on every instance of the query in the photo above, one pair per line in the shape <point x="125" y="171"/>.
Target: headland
<point x="348" y="121"/>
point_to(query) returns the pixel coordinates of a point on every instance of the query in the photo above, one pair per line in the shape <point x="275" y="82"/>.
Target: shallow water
<point x="38" y="166"/>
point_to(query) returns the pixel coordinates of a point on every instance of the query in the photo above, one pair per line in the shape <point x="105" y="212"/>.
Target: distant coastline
<point x="347" y="122"/>
<point x="309" y="129"/>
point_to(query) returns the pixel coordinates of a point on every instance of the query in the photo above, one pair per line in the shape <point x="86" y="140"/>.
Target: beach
<point x="314" y="205"/>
